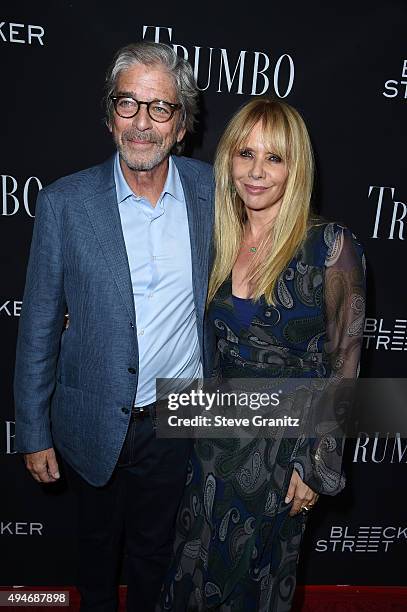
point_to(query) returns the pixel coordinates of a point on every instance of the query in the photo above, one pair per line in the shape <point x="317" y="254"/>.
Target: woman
<point x="286" y="300"/>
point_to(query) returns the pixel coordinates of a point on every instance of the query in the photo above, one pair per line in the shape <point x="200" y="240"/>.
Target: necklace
<point x="252" y="249"/>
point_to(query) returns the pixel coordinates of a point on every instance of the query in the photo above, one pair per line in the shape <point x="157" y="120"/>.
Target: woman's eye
<point x="245" y="153"/>
<point x="275" y="158"/>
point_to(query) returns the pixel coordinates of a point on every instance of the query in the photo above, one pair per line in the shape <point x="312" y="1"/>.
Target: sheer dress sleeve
<point x="318" y="460"/>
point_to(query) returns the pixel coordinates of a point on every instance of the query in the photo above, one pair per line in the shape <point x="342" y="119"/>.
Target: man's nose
<point x="142" y="121"/>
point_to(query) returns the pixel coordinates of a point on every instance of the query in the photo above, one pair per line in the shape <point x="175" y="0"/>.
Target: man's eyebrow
<point x="128" y="94"/>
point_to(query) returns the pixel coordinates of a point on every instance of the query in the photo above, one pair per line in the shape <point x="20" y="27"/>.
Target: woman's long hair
<point x="285" y="134"/>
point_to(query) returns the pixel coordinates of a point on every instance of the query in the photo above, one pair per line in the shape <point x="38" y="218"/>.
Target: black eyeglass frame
<point x="173" y="107"/>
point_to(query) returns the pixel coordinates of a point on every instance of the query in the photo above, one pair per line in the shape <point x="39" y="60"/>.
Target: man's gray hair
<point x="150" y="53"/>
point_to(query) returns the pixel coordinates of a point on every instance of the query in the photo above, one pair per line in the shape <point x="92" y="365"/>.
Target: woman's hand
<point x="300" y="493"/>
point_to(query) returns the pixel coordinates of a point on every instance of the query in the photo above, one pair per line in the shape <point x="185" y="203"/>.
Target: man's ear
<point x="181" y="134"/>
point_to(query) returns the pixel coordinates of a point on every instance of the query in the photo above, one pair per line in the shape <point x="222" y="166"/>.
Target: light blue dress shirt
<point x="159" y="255"/>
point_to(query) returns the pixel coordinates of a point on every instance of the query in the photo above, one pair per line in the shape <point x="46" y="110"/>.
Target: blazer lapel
<point x="199" y="230"/>
<point x="104" y="216"/>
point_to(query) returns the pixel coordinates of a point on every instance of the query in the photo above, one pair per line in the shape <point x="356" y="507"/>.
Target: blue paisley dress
<point x="236" y="547"/>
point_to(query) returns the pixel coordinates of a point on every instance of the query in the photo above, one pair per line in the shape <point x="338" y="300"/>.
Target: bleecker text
<point x="11" y="528"/>
<point x="21" y="33"/>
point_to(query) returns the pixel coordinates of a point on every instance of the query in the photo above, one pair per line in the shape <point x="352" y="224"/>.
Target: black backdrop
<point x="344" y="66"/>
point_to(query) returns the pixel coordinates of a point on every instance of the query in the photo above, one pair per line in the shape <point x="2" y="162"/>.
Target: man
<point x="123" y="248"/>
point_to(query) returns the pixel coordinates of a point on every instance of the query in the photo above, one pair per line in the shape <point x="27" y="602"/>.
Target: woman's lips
<point x="254" y="189"/>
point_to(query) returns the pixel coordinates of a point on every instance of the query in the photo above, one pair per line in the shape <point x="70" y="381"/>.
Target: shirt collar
<point x="172" y="185"/>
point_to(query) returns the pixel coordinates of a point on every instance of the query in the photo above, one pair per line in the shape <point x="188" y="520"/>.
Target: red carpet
<point x="308" y="599"/>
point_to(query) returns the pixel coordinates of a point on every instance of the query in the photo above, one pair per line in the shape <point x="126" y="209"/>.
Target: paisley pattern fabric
<point x="236" y="547"/>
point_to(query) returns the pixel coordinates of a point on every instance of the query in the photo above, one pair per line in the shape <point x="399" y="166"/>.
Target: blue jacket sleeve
<point x="39" y="333"/>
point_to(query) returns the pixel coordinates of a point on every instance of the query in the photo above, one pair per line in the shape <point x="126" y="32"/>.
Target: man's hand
<point x="300" y="493"/>
<point x="42" y="465"/>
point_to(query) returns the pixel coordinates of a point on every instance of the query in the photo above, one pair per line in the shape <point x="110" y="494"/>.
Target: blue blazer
<point x="73" y="388"/>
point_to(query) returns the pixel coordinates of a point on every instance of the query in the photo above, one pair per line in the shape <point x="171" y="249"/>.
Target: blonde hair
<point x="285" y="134"/>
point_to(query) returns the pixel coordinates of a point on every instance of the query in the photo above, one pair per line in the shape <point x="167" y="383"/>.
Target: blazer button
<point x="131" y="371"/>
<point x="125" y="410"/>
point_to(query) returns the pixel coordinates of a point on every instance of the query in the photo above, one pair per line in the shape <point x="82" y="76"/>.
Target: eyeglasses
<point x="159" y="110"/>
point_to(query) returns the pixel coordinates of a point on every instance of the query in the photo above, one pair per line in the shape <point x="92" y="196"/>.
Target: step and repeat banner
<point x="344" y="66"/>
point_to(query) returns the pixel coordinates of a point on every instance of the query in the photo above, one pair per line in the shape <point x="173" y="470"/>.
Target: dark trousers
<point x="136" y="510"/>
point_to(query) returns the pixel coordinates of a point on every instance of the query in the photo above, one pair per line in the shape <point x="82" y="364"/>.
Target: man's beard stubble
<point x="139" y="162"/>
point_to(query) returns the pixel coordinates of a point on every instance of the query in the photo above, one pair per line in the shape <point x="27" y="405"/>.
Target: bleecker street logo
<point x="10" y="528"/>
<point x="365" y="539"/>
<point x="10" y="308"/>
<point x="389" y="335"/>
<point x="21" y="33"/>
<point x="249" y="72"/>
<point x="395" y="88"/>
